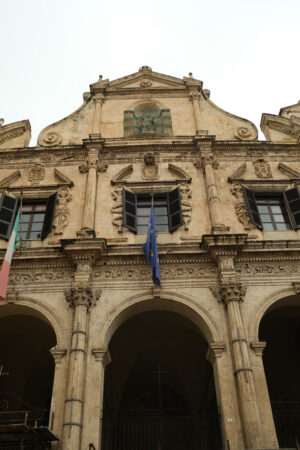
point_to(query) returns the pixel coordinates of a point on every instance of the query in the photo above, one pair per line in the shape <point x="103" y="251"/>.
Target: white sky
<point x="245" y="51"/>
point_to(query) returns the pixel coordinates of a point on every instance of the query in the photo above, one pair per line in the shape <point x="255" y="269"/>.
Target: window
<point x="167" y="210"/>
<point x="35" y="220"/>
<point x="274" y="211"/>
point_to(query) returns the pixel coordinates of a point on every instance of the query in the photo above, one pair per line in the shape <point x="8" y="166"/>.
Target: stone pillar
<point x="57" y="406"/>
<point x="98" y="359"/>
<point x="227" y="401"/>
<point x="194" y="98"/>
<point x="232" y="293"/>
<point x="91" y="167"/>
<point x="98" y="100"/>
<point x="208" y="163"/>
<point x="81" y="298"/>
<point x="269" y="436"/>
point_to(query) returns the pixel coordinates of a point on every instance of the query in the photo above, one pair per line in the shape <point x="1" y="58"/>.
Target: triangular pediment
<point x="146" y="79"/>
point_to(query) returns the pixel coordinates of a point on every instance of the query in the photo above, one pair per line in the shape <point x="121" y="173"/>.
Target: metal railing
<point x="169" y="430"/>
<point x="287" y="423"/>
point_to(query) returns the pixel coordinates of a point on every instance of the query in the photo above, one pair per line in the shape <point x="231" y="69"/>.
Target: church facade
<point x="93" y="354"/>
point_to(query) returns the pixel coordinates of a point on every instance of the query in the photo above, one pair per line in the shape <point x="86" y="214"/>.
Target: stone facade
<point x="219" y="269"/>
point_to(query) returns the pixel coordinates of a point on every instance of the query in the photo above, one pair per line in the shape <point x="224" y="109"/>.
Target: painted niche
<point x="147" y="119"/>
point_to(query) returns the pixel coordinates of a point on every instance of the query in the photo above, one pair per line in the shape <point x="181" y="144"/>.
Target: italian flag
<point x="4" y="272"/>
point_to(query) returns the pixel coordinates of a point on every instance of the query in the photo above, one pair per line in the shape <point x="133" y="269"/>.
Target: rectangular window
<point x="273" y="213"/>
<point x="160" y="204"/>
<point x="32" y="219"/>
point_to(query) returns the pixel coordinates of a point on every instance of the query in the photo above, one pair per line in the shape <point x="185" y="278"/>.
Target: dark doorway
<point x="159" y="389"/>
<point x="280" y="328"/>
<point x="26" y="380"/>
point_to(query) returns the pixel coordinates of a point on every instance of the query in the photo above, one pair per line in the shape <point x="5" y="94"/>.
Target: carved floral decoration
<point x="117" y="209"/>
<point x="51" y="138"/>
<point x="186" y="204"/>
<point x="61" y="212"/>
<point x="262" y="168"/>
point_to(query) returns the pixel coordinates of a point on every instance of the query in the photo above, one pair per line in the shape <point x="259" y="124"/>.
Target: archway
<point x="159" y="389"/>
<point x="27" y="371"/>
<point x="280" y="329"/>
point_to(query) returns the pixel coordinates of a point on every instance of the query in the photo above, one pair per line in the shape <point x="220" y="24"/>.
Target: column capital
<point x="232" y="291"/>
<point x="215" y="350"/>
<point x="84" y="296"/>
<point x="206" y="158"/>
<point x="58" y="354"/>
<point x="92" y="162"/>
<point x="102" y="355"/>
<point x="258" y="347"/>
<point x="194" y="96"/>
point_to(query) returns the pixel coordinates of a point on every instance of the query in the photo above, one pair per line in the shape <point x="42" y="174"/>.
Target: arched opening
<point x="280" y="329"/>
<point x="27" y="371"/>
<point x="159" y="389"/>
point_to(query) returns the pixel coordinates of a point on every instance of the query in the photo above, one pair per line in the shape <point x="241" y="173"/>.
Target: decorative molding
<point x="7" y="181"/>
<point x="297" y="287"/>
<point x="36" y="174"/>
<point x="177" y="171"/>
<point x="58" y="355"/>
<point x="215" y="350"/>
<point x="61" y="211"/>
<point x="258" y="347"/>
<point x="51" y="138"/>
<point x="102" y="355"/>
<point x="30" y="276"/>
<point x="238" y="173"/>
<point x="262" y="168"/>
<point x="241" y="208"/>
<point x="244" y="133"/>
<point x="62" y="178"/>
<point x="232" y="291"/>
<point x="273" y="269"/>
<point x="291" y="173"/>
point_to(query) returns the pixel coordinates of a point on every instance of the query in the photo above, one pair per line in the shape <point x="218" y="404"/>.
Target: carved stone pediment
<point x="16" y="134"/>
<point x="282" y="128"/>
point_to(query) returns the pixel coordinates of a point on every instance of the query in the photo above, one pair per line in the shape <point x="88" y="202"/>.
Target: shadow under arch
<point x="267" y="304"/>
<point x="168" y="301"/>
<point x="34" y="308"/>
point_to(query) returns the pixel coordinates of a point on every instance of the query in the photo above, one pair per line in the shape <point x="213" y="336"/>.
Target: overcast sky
<point x="245" y="51"/>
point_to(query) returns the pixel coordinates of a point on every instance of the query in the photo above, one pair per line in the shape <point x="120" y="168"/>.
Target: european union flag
<point x="150" y="249"/>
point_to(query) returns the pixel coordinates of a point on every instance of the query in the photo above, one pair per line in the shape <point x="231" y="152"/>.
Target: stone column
<point x="227" y="400"/>
<point x="91" y="167"/>
<point x="98" y="359"/>
<point x="194" y="99"/>
<point x="98" y="100"/>
<point x="208" y="163"/>
<point x="57" y="405"/>
<point x="81" y="298"/>
<point x="232" y="293"/>
<point x="269" y="436"/>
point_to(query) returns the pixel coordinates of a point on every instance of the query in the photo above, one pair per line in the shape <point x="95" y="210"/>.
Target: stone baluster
<point x="194" y="99"/>
<point x="208" y="163"/>
<point x="81" y="298"/>
<point x="232" y="293"/>
<point x="92" y="167"/>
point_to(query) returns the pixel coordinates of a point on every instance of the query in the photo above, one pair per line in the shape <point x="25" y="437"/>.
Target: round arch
<point x="168" y="301"/>
<point x="34" y="308"/>
<point x="264" y="307"/>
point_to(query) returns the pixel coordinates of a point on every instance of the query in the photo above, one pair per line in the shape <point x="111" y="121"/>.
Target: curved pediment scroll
<point x="122" y="174"/>
<point x="178" y="172"/>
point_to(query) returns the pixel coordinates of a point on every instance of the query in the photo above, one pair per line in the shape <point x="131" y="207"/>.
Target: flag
<point x="12" y="244"/>
<point x="150" y="249"/>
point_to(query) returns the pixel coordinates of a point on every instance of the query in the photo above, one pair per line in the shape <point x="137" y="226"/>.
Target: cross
<point x="1" y="371"/>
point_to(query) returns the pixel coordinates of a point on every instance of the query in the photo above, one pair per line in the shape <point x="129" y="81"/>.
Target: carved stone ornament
<point x="82" y="296"/>
<point x="92" y="163"/>
<point x="51" y="138"/>
<point x="186" y="204"/>
<point x="262" y="168"/>
<point x="244" y="134"/>
<point x="146" y="83"/>
<point x="36" y="174"/>
<point x="117" y="209"/>
<point x="61" y="212"/>
<point x="232" y="291"/>
<point x="241" y="208"/>
<point x="150" y="167"/>
<point x="205" y="159"/>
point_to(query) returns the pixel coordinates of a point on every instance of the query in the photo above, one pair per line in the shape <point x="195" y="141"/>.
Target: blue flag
<point x="150" y="249"/>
